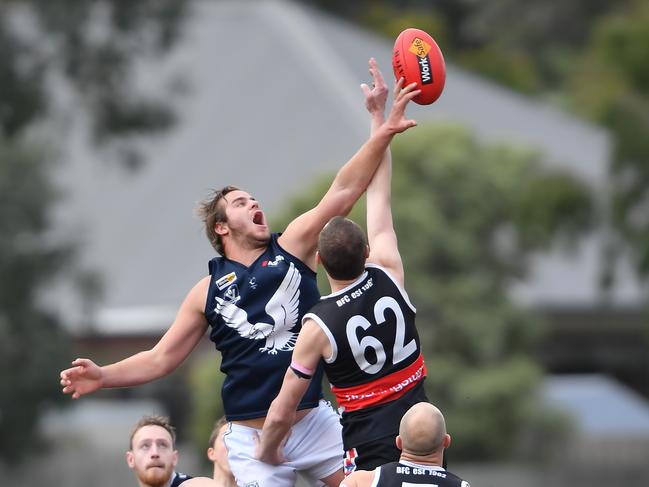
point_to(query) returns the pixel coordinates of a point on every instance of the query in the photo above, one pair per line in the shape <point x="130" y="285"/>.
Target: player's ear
<point x="446" y="442"/>
<point x="130" y="460"/>
<point x="367" y="251"/>
<point x="211" y="454"/>
<point x="318" y="260"/>
<point x="398" y="442"/>
<point x="221" y="228"/>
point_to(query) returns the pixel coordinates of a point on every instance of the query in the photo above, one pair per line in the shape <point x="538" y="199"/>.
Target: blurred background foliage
<point x="90" y="47"/>
<point x="469" y="244"/>
<point x="205" y="381"/>
<point x="31" y="339"/>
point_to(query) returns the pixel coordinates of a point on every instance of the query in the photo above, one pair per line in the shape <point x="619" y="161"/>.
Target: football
<point x="417" y="58"/>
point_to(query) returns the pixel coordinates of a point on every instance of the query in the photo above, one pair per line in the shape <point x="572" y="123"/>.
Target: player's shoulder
<point x="374" y="268"/>
<point x="457" y="480"/>
<point x="359" y="477"/>
<point x="202" y="286"/>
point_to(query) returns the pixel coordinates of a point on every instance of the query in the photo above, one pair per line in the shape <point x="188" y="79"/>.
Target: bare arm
<point x="176" y="344"/>
<point x="381" y="236"/>
<point x="309" y="348"/>
<point x="301" y="236"/>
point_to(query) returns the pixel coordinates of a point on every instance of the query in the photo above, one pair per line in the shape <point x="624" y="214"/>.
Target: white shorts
<point x="314" y="448"/>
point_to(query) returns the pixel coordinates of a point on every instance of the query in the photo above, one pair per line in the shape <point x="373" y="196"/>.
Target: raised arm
<point x="381" y="236"/>
<point x="309" y="348"/>
<point x="176" y="344"/>
<point x="300" y="237"/>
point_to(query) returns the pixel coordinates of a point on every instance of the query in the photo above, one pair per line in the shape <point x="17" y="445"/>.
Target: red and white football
<point x="417" y="58"/>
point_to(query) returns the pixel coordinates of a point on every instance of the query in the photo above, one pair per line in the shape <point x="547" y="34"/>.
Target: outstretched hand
<point x="375" y="97"/>
<point x="397" y="121"/>
<point x="85" y="377"/>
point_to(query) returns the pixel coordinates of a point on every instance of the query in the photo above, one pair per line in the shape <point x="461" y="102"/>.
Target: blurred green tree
<point x="90" y="47"/>
<point x="469" y="216"/>
<point x="619" y="99"/>
<point x="205" y="381"/>
<point x="32" y="344"/>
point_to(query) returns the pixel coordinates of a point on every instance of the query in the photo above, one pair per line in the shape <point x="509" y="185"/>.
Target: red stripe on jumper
<point x="385" y="389"/>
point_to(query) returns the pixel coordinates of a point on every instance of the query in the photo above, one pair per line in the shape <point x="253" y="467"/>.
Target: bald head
<point x="422" y="429"/>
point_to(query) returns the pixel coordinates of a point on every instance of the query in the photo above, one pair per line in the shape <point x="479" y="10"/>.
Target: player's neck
<point x="244" y="254"/>
<point x="434" y="459"/>
<point x="221" y="478"/>
<point x="337" y="285"/>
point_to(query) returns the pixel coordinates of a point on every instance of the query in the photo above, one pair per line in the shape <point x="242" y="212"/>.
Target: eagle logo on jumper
<point x="282" y="307"/>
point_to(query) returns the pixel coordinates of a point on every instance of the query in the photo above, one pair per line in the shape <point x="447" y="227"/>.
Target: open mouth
<point x="258" y="218"/>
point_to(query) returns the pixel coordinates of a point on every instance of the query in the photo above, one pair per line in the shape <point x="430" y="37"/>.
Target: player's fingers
<point x="406" y="95"/>
<point x="379" y="81"/>
<point x="411" y="94"/>
<point x="405" y="125"/>
<point x="411" y="123"/>
<point x="365" y="89"/>
<point x="408" y="88"/>
<point x="397" y="87"/>
<point x="373" y="66"/>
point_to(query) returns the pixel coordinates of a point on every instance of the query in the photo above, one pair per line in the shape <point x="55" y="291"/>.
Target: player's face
<point x="152" y="457"/>
<point x="245" y="218"/>
<point x="219" y="452"/>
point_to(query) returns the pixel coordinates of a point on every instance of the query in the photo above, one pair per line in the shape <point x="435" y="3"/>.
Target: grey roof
<point x="273" y="102"/>
<point x="600" y="405"/>
<point x="98" y="421"/>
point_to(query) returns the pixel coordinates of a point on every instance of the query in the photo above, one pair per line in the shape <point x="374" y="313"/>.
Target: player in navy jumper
<point x="253" y="301"/>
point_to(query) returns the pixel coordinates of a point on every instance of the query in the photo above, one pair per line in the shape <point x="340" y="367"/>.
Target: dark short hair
<point x="342" y="245"/>
<point x="215" y="431"/>
<point x="211" y="213"/>
<point x="153" y="420"/>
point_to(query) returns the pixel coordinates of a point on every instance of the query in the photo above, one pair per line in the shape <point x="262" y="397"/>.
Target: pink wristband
<point x="301" y="368"/>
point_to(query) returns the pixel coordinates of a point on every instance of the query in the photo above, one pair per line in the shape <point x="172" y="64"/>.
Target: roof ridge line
<point x="324" y="65"/>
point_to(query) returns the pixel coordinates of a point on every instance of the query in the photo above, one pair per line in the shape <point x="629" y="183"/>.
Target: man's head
<point x="342" y="249"/>
<point x="422" y="431"/>
<point x="216" y="451"/>
<point x="152" y="453"/>
<point x="233" y="214"/>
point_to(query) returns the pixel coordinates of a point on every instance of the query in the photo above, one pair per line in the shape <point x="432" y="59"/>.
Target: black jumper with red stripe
<point x="376" y="369"/>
